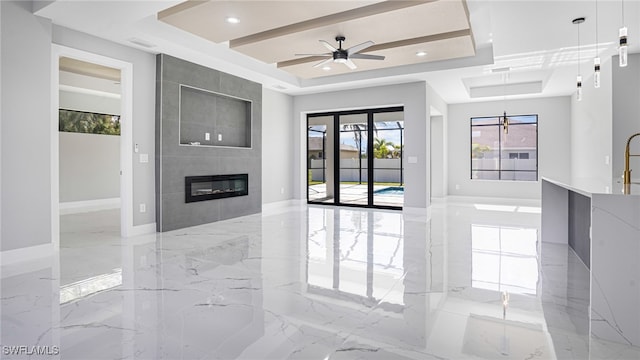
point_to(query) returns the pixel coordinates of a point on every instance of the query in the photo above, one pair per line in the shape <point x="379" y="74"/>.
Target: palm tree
<point x="381" y="148"/>
<point x="477" y="150"/>
<point x="397" y="151"/>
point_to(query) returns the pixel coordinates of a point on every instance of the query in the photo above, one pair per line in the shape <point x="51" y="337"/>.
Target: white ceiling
<point x="534" y="38"/>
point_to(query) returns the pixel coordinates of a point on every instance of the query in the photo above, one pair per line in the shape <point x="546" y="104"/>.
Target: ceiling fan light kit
<point x="344" y="56"/>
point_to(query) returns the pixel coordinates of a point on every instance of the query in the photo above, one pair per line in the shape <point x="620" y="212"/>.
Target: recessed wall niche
<point x="208" y="118"/>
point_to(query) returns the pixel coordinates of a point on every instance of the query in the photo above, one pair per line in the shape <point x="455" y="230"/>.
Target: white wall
<point x="89" y="167"/>
<point x="277" y="145"/>
<point x="26" y="127"/>
<point x="144" y="89"/>
<point x="71" y="100"/>
<point x="416" y="111"/>
<point x="626" y="117"/>
<point x="554" y="146"/>
<point x="437" y="157"/>
<point x="591" y="126"/>
<point x="89" y="163"/>
<point x="88" y="93"/>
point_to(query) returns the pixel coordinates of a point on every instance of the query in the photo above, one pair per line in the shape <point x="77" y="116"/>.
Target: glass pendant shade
<point x="622" y="50"/>
<point x="579" y="91"/>
<point x="596" y="74"/>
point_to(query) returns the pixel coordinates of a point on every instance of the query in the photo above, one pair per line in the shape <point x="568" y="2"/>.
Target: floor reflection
<point x="314" y="282"/>
<point x="504" y="259"/>
<point x="356" y="252"/>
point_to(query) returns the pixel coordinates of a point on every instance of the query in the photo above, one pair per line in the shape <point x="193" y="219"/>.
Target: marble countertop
<point x="587" y="187"/>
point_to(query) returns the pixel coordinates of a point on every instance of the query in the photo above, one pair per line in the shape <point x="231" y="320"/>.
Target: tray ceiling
<point x="274" y="31"/>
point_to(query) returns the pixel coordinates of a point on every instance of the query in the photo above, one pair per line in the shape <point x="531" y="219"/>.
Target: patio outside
<point x="384" y="194"/>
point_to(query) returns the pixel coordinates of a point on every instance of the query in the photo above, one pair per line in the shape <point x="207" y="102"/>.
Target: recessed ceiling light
<point x="421" y="53"/>
<point x="326" y="68"/>
<point x="233" y="20"/>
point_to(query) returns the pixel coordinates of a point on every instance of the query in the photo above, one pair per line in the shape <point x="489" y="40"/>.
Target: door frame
<point x="126" y="135"/>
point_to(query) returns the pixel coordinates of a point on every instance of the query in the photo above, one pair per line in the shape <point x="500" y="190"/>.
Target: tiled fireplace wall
<point x="176" y="161"/>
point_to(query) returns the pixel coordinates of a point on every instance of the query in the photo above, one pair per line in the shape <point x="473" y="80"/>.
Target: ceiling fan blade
<point x="328" y="46"/>
<point x="357" y="48"/>
<point x="323" y="55"/>
<point x="367" y="57"/>
<point x="350" y="64"/>
<point x="323" y="62"/>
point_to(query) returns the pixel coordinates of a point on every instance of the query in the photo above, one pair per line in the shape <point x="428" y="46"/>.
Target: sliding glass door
<point x="388" y="166"/>
<point x="354" y="139"/>
<point x="320" y="148"/>
<point x="355" y="158"/>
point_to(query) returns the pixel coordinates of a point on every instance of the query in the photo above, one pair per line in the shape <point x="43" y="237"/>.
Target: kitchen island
<point x="604" y="231"/>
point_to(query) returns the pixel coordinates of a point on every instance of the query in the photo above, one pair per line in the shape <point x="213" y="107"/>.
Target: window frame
<point x="500" y="148"/>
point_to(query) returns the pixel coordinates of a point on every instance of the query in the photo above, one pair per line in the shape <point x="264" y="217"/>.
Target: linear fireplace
<point x="200" y="188"/>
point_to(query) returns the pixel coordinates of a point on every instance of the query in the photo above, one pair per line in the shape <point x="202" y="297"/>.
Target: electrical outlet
<point x="606" y="160"/>
<point x="457" y="186"/>
<point x="143" y="208"/>
<point x="281" y="190"/>
<point x="207" y="136"/>
<point x="219" y="137"/>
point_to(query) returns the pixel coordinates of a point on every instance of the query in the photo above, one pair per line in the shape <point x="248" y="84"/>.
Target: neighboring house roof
<point x="519" y="136"/>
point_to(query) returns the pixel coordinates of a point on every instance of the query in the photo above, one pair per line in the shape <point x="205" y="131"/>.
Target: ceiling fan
<point x="344" y="56"/>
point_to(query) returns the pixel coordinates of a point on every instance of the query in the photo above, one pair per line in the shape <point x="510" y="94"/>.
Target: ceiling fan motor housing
<point x="340" y="56"/>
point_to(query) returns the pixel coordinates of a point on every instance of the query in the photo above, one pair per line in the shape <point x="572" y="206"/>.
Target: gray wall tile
<point x="207" y="114"/>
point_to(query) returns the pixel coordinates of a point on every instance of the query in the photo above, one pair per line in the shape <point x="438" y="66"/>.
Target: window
<point x="496" y="155"/>
<point x="87" y="122"/>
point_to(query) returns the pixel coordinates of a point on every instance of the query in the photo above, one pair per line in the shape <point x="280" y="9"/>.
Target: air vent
<point x="502" y="69"/>
<point x="141" y="42"/>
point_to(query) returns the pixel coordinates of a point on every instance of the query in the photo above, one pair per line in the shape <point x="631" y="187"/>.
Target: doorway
<point x="89" y="63"/>
<point x="355" y="158"/>
<point x="89" y="169"/>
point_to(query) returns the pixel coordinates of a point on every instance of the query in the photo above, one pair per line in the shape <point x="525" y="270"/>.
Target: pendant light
<point x="622" y="33"/>
<point x="505" y="119"/>
<point x="596" y="60"/>
<point x="578" y="21"/>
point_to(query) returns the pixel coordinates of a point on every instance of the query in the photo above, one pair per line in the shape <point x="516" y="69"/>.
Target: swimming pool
<point x="393" y="191"/>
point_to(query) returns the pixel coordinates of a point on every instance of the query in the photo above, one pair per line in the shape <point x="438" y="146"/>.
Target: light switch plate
<point x="207" y="136"/>
<point x="412" y="159"/>
<point x="219" y="137"/>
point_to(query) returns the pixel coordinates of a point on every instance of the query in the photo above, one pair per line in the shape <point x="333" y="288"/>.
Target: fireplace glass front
<point x="200" y="188"/>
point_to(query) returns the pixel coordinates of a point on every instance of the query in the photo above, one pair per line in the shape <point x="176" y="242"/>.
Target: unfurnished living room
<point x="438" y="179"/>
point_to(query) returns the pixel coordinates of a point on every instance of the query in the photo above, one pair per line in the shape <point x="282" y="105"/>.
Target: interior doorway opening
<point x="89" y="143"/>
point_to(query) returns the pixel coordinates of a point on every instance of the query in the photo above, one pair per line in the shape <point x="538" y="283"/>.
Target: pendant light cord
<point x="578" y="49"/>
<point x="596" y="28"/>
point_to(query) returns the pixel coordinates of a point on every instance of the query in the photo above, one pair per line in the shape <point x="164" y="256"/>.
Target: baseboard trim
<point x="280" y="205"/>
<point x="76" y="207"/>
<point x="30" y="253"/>
<point x="144" y="229"/>
<point x="416" y="214"/>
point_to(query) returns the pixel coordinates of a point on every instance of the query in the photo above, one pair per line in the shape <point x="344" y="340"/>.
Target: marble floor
<point x="473" y="281"/>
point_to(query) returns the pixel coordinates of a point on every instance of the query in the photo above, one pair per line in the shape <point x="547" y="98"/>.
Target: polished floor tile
<point x="309" y="282"/>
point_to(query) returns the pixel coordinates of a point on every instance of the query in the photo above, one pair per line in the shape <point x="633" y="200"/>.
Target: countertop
<point x="587" y="187"/>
